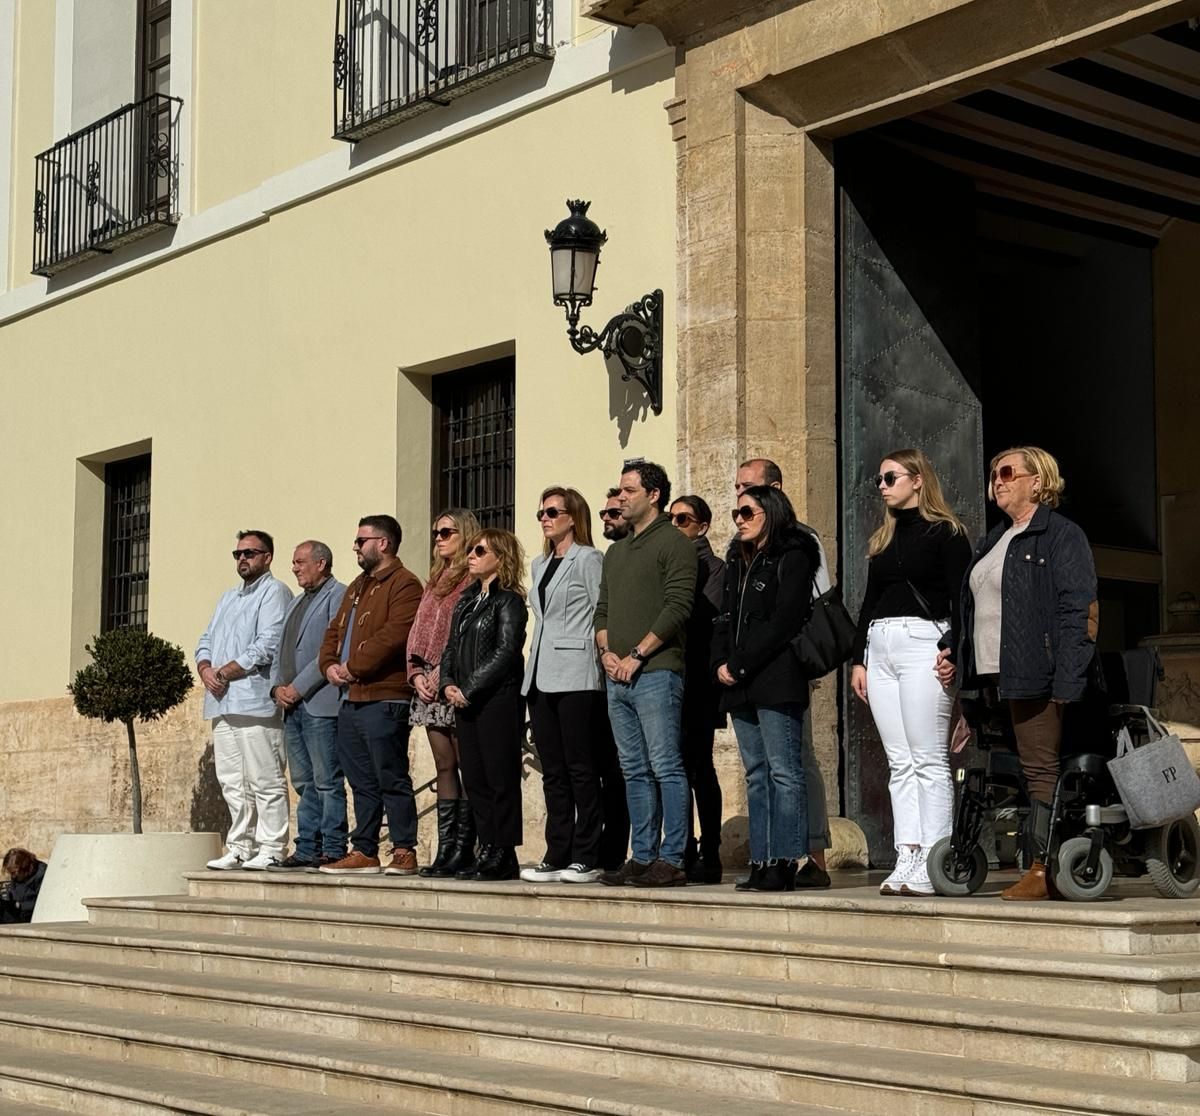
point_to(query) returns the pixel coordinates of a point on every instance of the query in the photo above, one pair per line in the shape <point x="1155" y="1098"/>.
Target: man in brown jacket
<point x="364" y="655"/>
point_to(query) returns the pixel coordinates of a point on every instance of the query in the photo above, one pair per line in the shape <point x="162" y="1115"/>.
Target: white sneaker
<point x="918" y="882"/>
<point x="543" y="873"/>
<point x="226" y="862"/>
<point x="905" y="863"/>
<point x="260" y="863"/>
<point x="580" y="873"/>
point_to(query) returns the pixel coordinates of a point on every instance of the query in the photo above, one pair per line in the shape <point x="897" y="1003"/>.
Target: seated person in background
<point x="19" y="892"/>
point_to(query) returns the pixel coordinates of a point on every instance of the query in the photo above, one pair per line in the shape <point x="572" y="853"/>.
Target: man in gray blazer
<point x="310" y="709"/>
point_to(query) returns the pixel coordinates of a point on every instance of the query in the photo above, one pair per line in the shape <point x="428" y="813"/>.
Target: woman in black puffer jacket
<point x="481" y="672"/>
<point x="768" y="598"/>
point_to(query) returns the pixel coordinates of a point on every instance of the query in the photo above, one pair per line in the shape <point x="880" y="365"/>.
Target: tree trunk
<point x="135" y="779"/>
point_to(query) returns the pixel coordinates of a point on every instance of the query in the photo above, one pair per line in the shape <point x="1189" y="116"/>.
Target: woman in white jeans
<point x="907" y="627"/>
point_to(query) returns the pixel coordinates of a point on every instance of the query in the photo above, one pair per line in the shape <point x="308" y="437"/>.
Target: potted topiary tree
<point x="134" y="676"/>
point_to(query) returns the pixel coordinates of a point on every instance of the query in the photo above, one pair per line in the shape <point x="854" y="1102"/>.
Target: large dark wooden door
<point x="909" y="377"/>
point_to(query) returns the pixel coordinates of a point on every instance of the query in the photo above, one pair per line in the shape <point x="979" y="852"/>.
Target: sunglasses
<point x="611" y="513"/>
<point x="551" y="513"/>
<point x="240" y="554"/>
<point x="682" y="519"/>
<point x="886" y="480"/>
<point x="745" y="512"/>
<point x="442" y="533"/>
<point x="361" y="540"/>
<point x="479" y="551"/>
<point x="1006" y="474"/>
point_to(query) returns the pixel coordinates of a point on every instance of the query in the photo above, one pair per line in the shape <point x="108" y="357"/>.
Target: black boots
<point x="703" y="864"/>
<point x="462" y="854"/>
<point x="774" y="875"/>
<point x="499" y="864"/>
<point x="447" y="833"/>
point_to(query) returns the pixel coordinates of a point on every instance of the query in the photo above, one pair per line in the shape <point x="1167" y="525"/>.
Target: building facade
<point x="292" y="272"/>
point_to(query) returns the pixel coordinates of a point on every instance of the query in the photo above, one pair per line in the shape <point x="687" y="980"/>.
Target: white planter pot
<point x="118" y="865"/>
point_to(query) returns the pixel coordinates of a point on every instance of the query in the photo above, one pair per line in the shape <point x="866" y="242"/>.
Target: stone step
<point x="580" y="1007"/>
<point x="333" y="1076"/>
<point x="1151" y="982"/>
<point x="1137" y="925"/>
<point x="36" y="1082"/>
<point x="668" y="1070"/>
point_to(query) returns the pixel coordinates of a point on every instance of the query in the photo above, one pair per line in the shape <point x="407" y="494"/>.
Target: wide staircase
<point x="297" y="995"/>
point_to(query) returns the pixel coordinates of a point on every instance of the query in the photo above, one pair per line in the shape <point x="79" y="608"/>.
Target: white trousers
<point x="249" y="758"/>
<point x="912" y="713"/>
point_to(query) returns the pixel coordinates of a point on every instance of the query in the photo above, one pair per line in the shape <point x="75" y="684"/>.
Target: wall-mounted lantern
<point x="634" y="337"/>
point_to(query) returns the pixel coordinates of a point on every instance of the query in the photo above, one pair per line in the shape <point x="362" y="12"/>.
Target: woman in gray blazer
<point x="564" y="689"/>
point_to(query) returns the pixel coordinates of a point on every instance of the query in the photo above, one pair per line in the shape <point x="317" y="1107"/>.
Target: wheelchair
<point x="1090" y="839"/>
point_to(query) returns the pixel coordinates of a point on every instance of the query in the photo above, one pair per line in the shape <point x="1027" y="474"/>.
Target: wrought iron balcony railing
<point x="396" y="58"/>
<point x="110" y="183"/>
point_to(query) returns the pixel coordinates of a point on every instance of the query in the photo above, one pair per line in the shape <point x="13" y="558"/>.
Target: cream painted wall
<point x="33" y="126"/>
<point x="268" y="368"/>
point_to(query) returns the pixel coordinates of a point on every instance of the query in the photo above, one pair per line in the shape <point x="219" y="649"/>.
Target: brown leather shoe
<point x="404" y="863"/>
<point x="351" y="864"/>
<point x="629" y="871"/>
<point x="661" y="873"/>
<point x="1030" y="887"/>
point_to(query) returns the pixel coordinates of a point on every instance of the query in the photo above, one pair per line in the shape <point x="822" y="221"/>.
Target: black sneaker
<point x="321" y="861"/>
<point x="292" y="863"/>
<point x="811" y="876"/>
<point x="623" y="876"/>
<point x="705" y="870"/>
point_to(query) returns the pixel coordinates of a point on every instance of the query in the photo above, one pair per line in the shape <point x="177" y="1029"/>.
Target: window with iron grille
<point x="473" y="414"/>
<point x="126" y="544"/>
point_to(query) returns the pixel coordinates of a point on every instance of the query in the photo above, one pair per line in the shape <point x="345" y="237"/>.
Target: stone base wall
<point x="66" y="774"/>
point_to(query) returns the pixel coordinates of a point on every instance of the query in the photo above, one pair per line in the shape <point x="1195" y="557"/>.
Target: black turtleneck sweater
<point x="930" y="556"/>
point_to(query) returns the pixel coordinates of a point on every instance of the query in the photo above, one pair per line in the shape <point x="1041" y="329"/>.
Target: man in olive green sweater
<point x="646" y="594"/>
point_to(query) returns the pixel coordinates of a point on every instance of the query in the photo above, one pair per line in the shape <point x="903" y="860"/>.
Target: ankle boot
<point x="470" y="870"/>
<point x="750" y="883"/>
<point x="501" y="864"/>
<point x="447" y="830"/>
<point x="1034" y="885"/>
<point x="1031" y="886"/>
<point x="707" y="867"/>
<point x="778" y="875"/>
<point x="463" y="846"/>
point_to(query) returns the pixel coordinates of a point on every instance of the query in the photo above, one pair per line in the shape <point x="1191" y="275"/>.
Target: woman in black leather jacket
<point x="481" y="672"/>
<point x="768" y="598"/>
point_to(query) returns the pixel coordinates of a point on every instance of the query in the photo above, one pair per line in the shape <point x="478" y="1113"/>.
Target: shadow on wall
<point x="627" y="402"/>
<point x="209" y="813"/>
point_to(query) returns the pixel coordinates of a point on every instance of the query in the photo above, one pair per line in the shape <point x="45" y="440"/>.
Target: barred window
<point x="474" y="414"/>
<point x="126" y="544"/>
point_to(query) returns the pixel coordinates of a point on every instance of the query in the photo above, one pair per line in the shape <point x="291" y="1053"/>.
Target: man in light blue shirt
<point x="248" y="748"/>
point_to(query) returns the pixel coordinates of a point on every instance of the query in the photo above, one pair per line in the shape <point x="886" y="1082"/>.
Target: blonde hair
<point x="577" y="509"/>
<point x="930" y="502"/>
<point x="467" y="527"/>
<point x="1042" y="465"/>
<point x="509" y="552"/>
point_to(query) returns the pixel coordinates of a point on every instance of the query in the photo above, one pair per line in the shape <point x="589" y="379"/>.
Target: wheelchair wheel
<point x="1069" y="878"/>
<point x="951" y="875"/>
<point x="1173" y="858"/>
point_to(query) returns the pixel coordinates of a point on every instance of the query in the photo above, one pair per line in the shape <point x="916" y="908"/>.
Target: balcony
<point x="394" y="59"/>
<point x="108" y="184"/>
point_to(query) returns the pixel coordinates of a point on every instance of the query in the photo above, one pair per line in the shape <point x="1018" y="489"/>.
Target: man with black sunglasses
<point x="763" y="471"/>
<point x="248" y="752"/>
<point x="615" y="528"/>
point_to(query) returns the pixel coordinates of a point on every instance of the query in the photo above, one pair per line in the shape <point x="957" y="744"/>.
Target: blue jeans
<point x="770" y="738"/>
<point x="317" y="778"/>
<point x="645" y="719"/>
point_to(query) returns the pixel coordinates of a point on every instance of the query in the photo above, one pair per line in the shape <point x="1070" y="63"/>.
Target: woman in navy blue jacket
<point x="1029" y="619"/>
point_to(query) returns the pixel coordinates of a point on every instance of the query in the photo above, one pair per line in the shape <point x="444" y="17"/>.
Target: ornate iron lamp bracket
<point x="634" y="338"/>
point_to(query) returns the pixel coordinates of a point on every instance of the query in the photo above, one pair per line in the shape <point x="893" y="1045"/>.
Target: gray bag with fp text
<point x="1156" y="781"/>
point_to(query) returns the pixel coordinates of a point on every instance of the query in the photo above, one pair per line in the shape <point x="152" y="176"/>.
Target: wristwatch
<point x="636" y="653"/>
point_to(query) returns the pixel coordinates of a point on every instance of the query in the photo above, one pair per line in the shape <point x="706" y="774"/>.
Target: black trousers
<point x="699" y="731"/>
<point x="372" y="747"/>
<point x="614" y="807"/>
<point x="564" y="729"/>
<point x="489" y="750"/>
